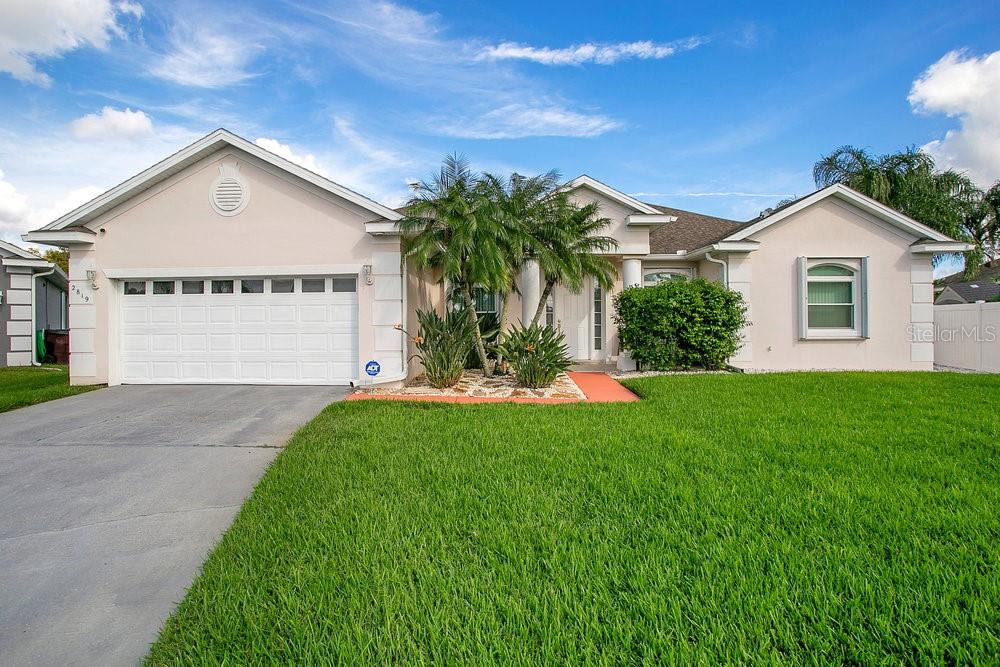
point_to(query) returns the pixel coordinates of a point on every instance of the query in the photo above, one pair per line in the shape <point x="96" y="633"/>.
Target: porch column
<point x="632" y="272"/>
<point x="631" y="277"/>
<point x="531" y="290"/>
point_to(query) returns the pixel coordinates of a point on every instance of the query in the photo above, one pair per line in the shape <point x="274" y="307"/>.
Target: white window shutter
<point x="803" y="306"/>
<point x="863" y="305"/>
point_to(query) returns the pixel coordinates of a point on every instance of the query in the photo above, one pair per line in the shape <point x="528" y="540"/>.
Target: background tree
<point x="58" y="256"/>
<point x="451" y="225"/>
<point x="567" y="243"/>
<point x="947" y="201"/>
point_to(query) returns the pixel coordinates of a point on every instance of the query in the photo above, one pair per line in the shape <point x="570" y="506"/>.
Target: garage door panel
<point x="313" y="313"/>
<point x="284" y="370"/>
<point x="314" y="342"/>
<point x="253" y="370"/>
<point x="163" y="314"/>
<point x="164" y="343"/>
<point x="135" y="343"/>
<point x="194" y="314"/>
<point x="164" y="370"/>
<point x="194" y="342"/>
<point x="253" y="342"/>
<point x="252" y="314"/>
<point x="135" y="315"/>
<point x="283" y="342"/>
<point x="281" y="338"/>
<point x="281" y="314"/>
<point x="223" y="371"/>
<point x="222" y="314"/>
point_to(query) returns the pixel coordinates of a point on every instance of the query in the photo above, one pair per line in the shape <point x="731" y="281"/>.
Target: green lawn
<point x="27" y="385"/>
<point x="800" y="518"/>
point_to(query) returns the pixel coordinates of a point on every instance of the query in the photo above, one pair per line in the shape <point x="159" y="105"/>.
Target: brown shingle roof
<point x="690" y="232"/>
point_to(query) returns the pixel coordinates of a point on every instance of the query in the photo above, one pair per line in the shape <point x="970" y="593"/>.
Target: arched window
<point x="832" y="291"/>
<point x="657" y="276"/>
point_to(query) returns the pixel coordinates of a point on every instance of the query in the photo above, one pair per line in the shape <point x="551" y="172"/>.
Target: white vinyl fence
<point x="967" y="336"/>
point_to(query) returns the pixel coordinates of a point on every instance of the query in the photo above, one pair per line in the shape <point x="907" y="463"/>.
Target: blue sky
<point x="720" y="108"/>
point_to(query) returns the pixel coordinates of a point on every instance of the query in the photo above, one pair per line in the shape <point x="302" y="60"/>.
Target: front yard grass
<point x="27" y="385"/>
<point x="799" y="518"/>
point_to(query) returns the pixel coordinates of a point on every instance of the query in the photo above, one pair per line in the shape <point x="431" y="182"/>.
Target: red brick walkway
<point x="597" y="387"/>
<point x="601" y="388"/>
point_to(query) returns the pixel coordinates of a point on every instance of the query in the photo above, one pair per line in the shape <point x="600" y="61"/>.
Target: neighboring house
<point x="968" y="292"/>
<point x="956" y="288"/>
<point x="33" y="296"/>
<point x="226" y="263"/>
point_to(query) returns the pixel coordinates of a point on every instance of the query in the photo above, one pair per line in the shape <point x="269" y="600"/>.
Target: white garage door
<point x="239" y="330"/>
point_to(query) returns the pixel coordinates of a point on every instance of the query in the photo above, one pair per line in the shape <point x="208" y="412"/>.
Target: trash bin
<point x="57" y="346"/>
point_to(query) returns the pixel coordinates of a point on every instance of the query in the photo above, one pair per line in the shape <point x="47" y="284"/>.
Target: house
<point x="968" y="292"/>
<point x="33" y="298"/>
<point x="985" y="286"/>
<point x="225" y="263"/>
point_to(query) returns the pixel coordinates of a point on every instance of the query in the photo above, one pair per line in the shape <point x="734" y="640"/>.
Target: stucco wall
<point x="287" y="222"/>
<point x="634" y="241"/>
<point x="899" y="292"/>
<point x="17" y="312"/>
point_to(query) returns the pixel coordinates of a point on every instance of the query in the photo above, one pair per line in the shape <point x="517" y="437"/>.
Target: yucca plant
<point x="536" y="354"/>
<point x="443" y="344"/>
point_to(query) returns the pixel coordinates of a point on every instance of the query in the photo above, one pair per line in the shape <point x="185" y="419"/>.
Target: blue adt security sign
<point x="372" y="368"/>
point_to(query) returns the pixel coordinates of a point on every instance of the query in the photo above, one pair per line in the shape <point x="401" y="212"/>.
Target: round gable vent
<point x="229" y="192"/>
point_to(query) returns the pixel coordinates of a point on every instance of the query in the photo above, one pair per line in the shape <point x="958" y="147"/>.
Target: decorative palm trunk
<point x="470" y="309"/>
<point x="504" y="318"/>
<point x="542" y="300"/>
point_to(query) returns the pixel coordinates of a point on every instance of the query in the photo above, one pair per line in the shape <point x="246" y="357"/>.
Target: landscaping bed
<point x="736" y="519"/>
<point x="475" y="384"/>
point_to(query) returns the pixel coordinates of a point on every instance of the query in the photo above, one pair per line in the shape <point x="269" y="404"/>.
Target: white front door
<point x="581" y="319"/>
<point x="276" y="330"/>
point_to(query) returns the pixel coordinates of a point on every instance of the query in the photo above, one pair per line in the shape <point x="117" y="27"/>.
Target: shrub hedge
<point x="680" y="324"/>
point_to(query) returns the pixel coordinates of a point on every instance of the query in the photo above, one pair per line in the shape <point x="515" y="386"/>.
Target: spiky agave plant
<point x="443" y="343"/>
<point x="536" y="354"/>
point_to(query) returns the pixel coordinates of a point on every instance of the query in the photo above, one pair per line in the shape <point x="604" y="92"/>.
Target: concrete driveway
<point x="111" y="500"/>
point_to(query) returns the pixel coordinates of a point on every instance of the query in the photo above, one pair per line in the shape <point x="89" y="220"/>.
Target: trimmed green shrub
<point x="443" y="345"/>
<point x="536" y="354"/>
<point x="680" y="324"/>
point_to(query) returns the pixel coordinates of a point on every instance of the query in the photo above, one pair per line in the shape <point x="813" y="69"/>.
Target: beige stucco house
<point x="225" y="263"/>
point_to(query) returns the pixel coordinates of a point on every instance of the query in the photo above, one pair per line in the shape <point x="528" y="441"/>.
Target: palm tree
<point x="981" y="223"/>
<point x="567" y="245"/>
<point x="907" y="181"/>
<point x="450" y="224"/>
<point x="520" y="204"/>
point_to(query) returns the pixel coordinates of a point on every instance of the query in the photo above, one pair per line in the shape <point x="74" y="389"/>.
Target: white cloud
<point x="369" y="166"/>
<point x="32" y="30"/>
<point x="578" y="54"/>
<point x="202" y="58"/>
<point x="307" y="160"/>
<point x="473" y="96"/>
<point x="516" y="121"/>
<point x="111" y="123"/>
<point x="13" y="205"/>
<point x="967" y="88"/>
<point x="18" y="215"/>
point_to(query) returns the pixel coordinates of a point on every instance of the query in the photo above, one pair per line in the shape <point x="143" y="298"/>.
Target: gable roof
<point x="187" y="156"/>
<point x="971" y="291"/>
<point x="986" y="273"/>
<point x="840" y="191"/>
<point x="690" y="231"/>
<point x="17" y="251"/>
<point x="625" y="200"/>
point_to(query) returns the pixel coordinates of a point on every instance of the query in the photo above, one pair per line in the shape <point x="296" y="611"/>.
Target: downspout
<point x="34" y="310"/>
<point x="725" y="267"/>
